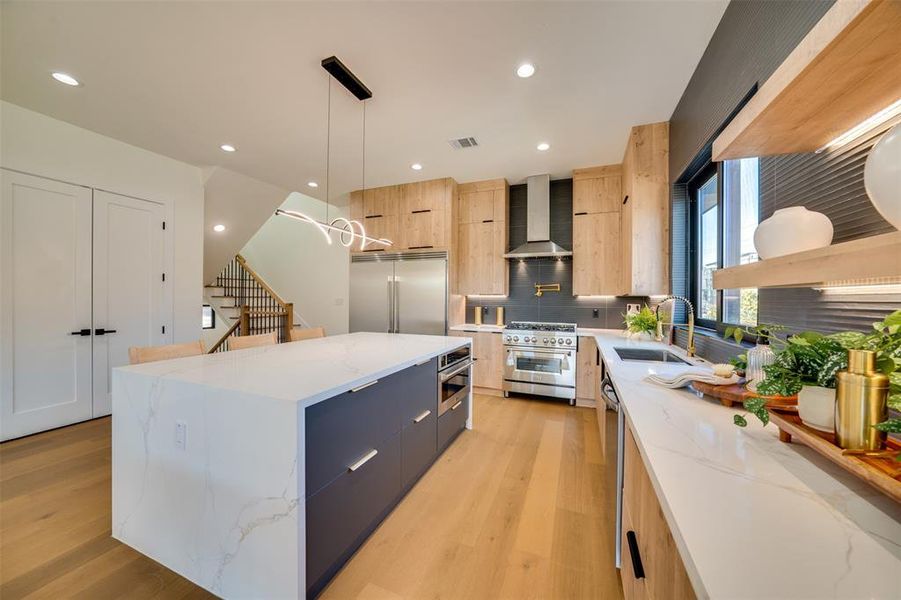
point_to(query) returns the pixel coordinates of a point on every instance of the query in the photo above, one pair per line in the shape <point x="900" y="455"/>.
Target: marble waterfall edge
<point x="191" y="508"/>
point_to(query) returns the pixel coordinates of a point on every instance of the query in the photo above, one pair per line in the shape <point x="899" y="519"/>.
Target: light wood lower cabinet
<point x="652" y="567"/>
<point x="587" y="372"/>
<point x="488" y="357"/>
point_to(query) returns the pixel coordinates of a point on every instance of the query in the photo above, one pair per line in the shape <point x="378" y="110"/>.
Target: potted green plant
<point x="642" y="324"/>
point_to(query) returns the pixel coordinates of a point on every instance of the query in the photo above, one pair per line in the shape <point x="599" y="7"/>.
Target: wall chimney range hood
<point x="538" y="222"/>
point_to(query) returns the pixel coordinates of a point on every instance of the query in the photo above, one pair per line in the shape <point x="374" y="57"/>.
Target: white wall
<point x="295" y="260"/>
<point x="40" y="145"/>
<point x="240" y="203"/>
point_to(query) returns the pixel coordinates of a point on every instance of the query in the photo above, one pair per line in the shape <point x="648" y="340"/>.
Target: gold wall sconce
<point x="541" y="288"/>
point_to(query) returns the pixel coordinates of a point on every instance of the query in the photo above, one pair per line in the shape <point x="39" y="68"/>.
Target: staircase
<point x="252" y="306"/>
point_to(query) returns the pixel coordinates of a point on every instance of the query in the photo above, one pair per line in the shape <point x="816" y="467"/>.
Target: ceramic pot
<point x="882" y="176"/>
<point x="791" y="230"/>
<point x="816" y="407"/>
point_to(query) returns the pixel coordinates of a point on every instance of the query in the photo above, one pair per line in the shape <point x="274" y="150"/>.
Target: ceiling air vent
<point x="463" y="143"/>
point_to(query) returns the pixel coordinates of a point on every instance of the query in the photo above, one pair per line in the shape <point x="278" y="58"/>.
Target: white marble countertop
<point x="754" y="517"/>
<point x="308" y="371"/>
<point x="476" y="328"/>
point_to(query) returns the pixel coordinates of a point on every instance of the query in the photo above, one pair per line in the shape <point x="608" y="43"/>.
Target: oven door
<point x="538" y="365"/>
<point x="454" y="385"/>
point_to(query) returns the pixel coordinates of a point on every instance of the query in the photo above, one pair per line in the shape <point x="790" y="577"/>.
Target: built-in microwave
<point x="454" y="378"/>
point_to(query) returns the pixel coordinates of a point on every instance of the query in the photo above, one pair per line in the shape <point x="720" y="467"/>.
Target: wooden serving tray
<point x="737" y="393"/>
<point x="879" y="469"/>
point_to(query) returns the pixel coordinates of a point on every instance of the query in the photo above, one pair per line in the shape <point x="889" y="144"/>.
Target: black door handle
<point x="81" y="332"/>
<point x="103" y="331"/>
<point x="637" y="567"/>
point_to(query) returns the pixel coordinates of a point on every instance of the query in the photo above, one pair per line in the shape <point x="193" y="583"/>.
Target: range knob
<point x="534" y="339"/>
<point x="560" y="340"/>
<point x="544" y="341"/>
<point x="569" y="342"/>
<point x="553" y="341"/>
<point x="507" y="339"/>
<point x="515" y="338"/>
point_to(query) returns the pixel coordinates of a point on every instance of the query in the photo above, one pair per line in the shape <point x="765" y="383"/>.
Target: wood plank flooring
<point x="522" y="507"/>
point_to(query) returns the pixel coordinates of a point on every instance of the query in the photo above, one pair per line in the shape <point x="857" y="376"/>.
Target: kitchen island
<point x="257" y="473"/>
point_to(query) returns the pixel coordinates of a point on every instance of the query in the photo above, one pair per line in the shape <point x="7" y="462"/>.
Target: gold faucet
<point x="541" y="288"/>
<point x="691" y="323"/>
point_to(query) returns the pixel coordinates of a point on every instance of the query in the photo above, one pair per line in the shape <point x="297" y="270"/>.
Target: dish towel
<point x="684" y="379"/>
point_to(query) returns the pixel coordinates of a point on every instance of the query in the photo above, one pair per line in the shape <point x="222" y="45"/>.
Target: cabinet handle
<point x="81" y="332"/>
<point x="488" y="221"/>
<point x="626" y="199"/>
<point x="372" y="217"/>
<point x="365" y="459"/>
<point x="457" y="405"/>
<point x="424" y="210"/>
<point x="419" y="247"/>
<point x="423" y="416"/>
<point x="579" y="214"/>
<point x="103" y="331"/>
<point x="364" y="386"/>
<point x="637" y="567"/>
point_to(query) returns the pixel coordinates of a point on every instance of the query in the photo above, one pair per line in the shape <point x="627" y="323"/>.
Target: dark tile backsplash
<point x="521" y="304"/>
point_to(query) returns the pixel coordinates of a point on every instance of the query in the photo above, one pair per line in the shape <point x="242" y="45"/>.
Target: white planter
<point x="816" y="407"/>
<point x="882" y="176"/>
<point x="791" y="230"/>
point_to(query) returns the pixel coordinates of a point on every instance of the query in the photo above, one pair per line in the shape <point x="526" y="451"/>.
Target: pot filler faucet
<point x="691" y="322"/>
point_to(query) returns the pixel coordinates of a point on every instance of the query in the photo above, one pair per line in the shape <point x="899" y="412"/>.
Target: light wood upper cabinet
<point x="597" y="189"/>
<point x="597" y="254"/>
<point x="645" y="215"/>
<point x="651" y="539"/>
<point x="482" y="237"/>
<point x="414" y="216"/>
<point x="482" y="201"/>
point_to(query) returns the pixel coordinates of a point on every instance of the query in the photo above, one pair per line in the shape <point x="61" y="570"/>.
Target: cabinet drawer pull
<point x="422" y="416"/>
<point x="457" y="405"/>
<point x="373" y="217"/>
<point x="364" y="386"/>
<point x="488" y="221"/>
<point x="419" y="247"/>
<point x="637" y="567"/>
<point x="579" y="214"/>
<point x="424" y="210"/>
<point x="626" y="199"/>
<point x="369" y="455"/>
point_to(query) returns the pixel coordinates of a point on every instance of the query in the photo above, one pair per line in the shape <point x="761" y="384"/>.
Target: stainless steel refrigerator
<point x="399" y="293"/>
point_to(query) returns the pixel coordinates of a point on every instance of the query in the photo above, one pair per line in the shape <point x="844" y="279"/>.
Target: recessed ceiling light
<point x="416" y="167"/>
<point x="525" y="70"/>
<point x="312" y="184"/>
<point x="219" y="228"/>
<point x="65" y="78"/>
<point x="543" y="146"/>
<point x="227" y="148"/>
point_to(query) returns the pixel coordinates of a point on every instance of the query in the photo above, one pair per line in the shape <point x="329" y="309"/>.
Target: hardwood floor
<point x="521" y="507"/>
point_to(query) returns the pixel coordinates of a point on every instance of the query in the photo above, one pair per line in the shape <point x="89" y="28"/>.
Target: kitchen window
<point x="725" y="206"/>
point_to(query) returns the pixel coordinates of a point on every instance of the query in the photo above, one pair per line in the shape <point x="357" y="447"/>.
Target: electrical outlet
<point x="630" y="308"/>
<point x="595" y="313"/>
<point x="181" y="435"/>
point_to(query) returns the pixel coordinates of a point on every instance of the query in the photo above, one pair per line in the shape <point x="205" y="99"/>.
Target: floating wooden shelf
<point x="859" y="261"/>
<point x="844" y="71"/>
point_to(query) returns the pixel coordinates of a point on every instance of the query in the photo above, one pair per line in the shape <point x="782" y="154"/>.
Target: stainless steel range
<point x="540" y="358"/>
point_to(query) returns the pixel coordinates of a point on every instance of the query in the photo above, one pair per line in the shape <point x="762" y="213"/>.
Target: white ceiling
<point x="180" y="78"/>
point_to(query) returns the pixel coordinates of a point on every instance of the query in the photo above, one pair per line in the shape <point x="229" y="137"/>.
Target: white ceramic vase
<point x="816" y="407"/>
<point x="791" y="230"/>
<point x="882" y="176"/>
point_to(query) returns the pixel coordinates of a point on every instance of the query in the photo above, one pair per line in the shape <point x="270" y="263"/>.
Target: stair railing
<point x="262" y="310"/>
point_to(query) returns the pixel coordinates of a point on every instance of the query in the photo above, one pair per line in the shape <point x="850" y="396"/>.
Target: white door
<point x="45" y="297"/>
<point x="128" y="285"/>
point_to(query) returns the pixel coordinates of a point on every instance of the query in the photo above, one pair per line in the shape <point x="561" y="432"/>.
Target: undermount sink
<point x="649" y="355"/>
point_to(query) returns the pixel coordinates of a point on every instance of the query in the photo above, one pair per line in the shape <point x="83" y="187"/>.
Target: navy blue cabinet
<point x="451" y="423"/>
<point x="364" y="450"/>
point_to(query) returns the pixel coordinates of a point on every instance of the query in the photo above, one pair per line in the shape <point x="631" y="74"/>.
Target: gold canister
<point x="861" y="394"/>
<point x="499" y="316"/>
<point x="478" y="315"/>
